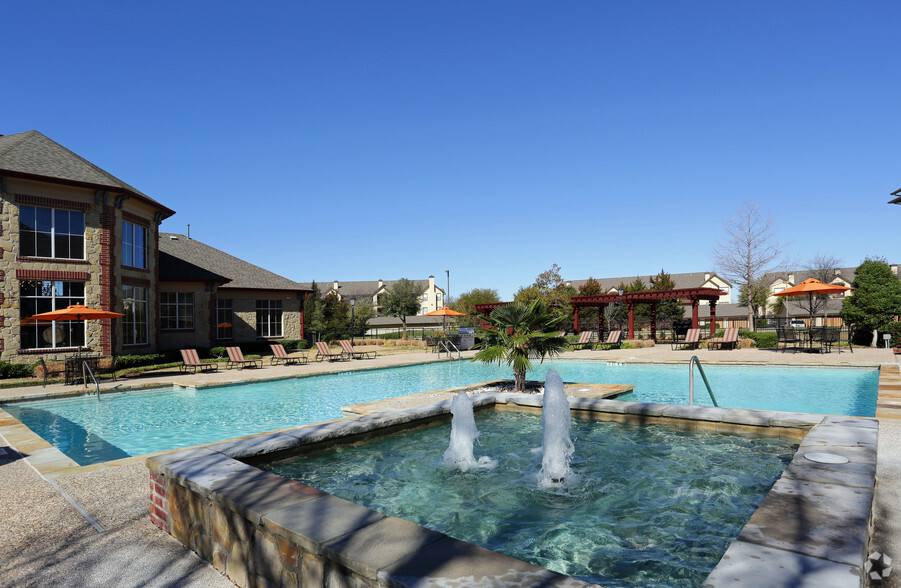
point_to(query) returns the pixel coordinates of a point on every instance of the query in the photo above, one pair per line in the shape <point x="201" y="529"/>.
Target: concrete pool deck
<point x="46" y="541"/>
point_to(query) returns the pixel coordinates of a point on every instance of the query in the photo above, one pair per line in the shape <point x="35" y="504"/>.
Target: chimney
<point x="894" y="267"/>
<point x="335" y="285"/>
<point x="189" y="231"/>
<point x="381" y="283"/>
<point x="791" y="278"/>
<point x="431" y="282"/>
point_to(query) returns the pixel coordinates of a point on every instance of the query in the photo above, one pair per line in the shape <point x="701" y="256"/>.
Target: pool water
<point x="139" y="422"/>
<point x="652" y="506"/>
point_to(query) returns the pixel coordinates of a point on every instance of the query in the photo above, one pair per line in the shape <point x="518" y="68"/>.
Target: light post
<point x="353" y="303"/>
<point x="447" y="294"/>
<point x="620" y="303"/>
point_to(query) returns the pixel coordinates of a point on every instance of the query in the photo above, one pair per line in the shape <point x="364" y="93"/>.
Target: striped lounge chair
<point x="279" y="355"/>
<point x="353" y="353"/>
<point x="236" y="359"/>
<point x="192" y="362"/>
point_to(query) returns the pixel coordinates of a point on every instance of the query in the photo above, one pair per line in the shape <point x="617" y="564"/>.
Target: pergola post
<point x="631" y="319"/>
<point x="576" y="320"/>
<point x="601" y="321"/>
<point x="712" y="318"/>
<point x="694" y="313"/>
<point x="654" y="322"/>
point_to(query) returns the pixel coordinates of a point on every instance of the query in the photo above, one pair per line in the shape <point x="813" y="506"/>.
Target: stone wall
<point x="100" y="271"/>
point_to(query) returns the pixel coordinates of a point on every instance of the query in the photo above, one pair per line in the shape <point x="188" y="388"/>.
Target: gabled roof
<point x="179" y="270"/>
<point x="687" y="280"/>
<point x="845" y="273"/>
<point x="31" y="155"/>
<point x="239" y="273"/>
<point x="365" y="289"/>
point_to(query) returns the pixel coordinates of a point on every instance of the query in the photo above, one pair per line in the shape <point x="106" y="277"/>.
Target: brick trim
<point x="23" y="274"/>
<point x="53" y="260"/>
<point x="132" y="281"/>
<point x="29" y="200"/>
<point x="159" y="502"/>
<point x="133" y="218"/>
<point x="51" y="350"/>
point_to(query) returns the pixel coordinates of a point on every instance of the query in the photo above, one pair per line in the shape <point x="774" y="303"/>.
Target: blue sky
<point x="366" y="140"/>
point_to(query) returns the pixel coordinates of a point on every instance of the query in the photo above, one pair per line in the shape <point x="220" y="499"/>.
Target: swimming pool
<point x="140" y="422"/>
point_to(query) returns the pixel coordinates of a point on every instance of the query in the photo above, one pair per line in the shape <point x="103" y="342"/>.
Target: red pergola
<point x="692" y="296"/>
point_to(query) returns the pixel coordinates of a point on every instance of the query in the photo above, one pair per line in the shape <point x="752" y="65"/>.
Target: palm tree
<point x="517" y="334"/>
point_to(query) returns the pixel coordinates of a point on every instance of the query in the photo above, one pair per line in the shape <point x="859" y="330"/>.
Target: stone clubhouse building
<point x="71" y="233"/>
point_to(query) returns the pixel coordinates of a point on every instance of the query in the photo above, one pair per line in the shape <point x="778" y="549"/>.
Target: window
<point x="133" y="249"/>
<point x="425" y="295"/>
<point x="425" y="309"/>
<point x="176" y="310"/>
<point x="269" y="318"/>
<point x="134" y="323"/>
<point x="38" y="296"/>
<point x="48" y="232"/>
<point x="225" y="317"/>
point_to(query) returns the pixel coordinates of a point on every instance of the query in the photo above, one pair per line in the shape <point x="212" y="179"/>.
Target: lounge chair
<point x="279" y="355"/>
<point x="691" y="341"/>
<point x="236" y="359"/>
<point x="729" y="340"/>
<point x="614" y="340"/>
<point x="192" y="362"/>
<point x="584" y="340"/>
<point x="322" y="352"/>
<point x="353" y="353"/>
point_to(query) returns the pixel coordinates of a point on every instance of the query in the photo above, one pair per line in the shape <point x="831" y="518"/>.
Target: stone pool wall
<point x="261" y="530"/>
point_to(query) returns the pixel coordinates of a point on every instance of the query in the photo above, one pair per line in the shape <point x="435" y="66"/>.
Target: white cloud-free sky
<point x="366" y="140"/>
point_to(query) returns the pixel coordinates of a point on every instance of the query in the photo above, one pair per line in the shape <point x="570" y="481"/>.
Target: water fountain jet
<point x="463" y="434"/>
<point x="557" y="447"/>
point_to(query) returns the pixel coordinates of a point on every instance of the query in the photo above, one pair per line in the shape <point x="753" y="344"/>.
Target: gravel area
<point x="32" y="514"/>
<point x="114" y="497"/>
<point x="137" y="555"/>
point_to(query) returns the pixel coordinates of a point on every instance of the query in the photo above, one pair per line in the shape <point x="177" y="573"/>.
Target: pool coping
<point x="53" y="463"/>
<point x="814" y="522"/>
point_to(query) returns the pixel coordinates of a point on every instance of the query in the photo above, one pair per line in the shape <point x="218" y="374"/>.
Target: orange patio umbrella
<point x="445" y="312"/>
<point x="810" y="287"/>
<point x="75" y="312"/>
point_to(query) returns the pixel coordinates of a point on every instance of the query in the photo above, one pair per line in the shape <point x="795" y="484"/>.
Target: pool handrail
<point x="691" y="381"/>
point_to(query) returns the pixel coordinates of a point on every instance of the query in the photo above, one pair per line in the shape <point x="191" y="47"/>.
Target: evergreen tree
<point x="876" y="300"/>
<point x="668" y="310"/>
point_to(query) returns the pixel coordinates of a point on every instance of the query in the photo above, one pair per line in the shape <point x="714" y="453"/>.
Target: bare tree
<point x="749" y="249"/>
<point x="821" y="267"/>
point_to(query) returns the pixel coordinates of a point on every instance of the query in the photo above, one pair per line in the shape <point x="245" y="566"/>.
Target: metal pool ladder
<point x="85" y="366"/>
<point x="449" y="348"/>
<point x="691" y="381"/>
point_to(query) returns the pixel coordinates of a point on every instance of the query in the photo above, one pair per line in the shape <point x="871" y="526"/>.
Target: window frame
<point x="130" y="247"/>
<point x="130" y="323"/>
<point x="270" y="306"/>
<point x="225" y="314"/>
<point x="55" y="234"/>
<point x="59" y="299"/>
<point x="183" y="307"/>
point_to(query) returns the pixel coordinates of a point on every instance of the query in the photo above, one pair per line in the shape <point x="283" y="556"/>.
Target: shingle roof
<point x="173" y="268"/>
<point x="687" y="280"/>
<point x="32" y="154"/>
<point x="366" y="288"/>
<point x="845" y="273"/>
<point x="241" y="274"/>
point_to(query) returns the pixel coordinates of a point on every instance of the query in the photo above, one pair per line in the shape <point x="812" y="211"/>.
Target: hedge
<point x="16" y="370"/>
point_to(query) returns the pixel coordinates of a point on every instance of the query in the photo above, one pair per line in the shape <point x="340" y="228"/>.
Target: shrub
<point x="293" y="344"/>
<point x="761" y="340"/>
<point x="16" y="370"/>
<point x="132" y="361"/>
